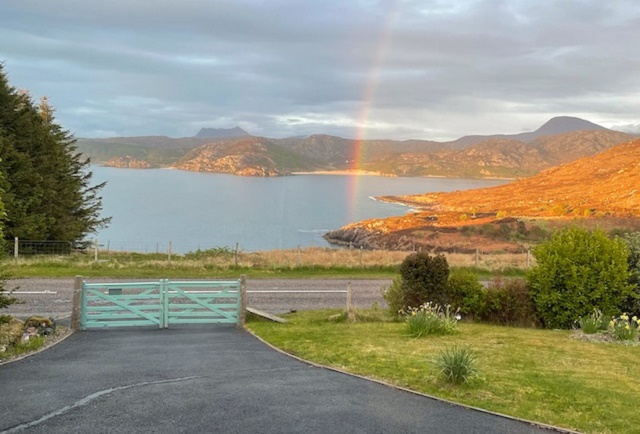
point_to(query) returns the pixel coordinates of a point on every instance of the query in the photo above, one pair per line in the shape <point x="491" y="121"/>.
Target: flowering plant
<point x="431" y="319"/>
<point x="624" y="328"/>
<point x="593" y="323"/>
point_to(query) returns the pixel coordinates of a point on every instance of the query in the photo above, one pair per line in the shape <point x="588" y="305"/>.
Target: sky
<point x="424" y="69"/>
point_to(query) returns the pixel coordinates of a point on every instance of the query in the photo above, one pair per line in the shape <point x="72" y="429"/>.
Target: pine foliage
<point x="48" y="194"/>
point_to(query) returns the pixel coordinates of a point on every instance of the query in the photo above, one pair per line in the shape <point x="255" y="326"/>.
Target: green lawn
<point x="183" y="270"/>
<point x="540" y="375"/>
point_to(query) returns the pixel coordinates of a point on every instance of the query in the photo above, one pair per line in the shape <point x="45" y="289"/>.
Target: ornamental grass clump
<point x="457" y="364"/>
<point x="431" y="319"/>
<point x="624" y="328"/>
<point x="593" y="323"/>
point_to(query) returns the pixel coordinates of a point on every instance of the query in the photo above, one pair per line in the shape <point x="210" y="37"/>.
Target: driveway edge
<point x="43" y="348"/>
<point x="404" y="389"/>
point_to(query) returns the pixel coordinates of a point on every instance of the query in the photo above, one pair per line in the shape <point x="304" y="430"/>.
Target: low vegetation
<point x="536" y="374"/>
<point x="221" y="262"/>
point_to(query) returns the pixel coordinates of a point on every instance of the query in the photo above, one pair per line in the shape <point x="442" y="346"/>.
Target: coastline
<point x="344" y="172"/>
<point x="357" y="172"/>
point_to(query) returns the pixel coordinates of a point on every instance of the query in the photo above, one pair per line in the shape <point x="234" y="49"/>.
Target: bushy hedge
<point x="465" y="292"/>
<point x="632" y="304"/>
<point x="507" y="302"/>
<point x="578" y="271"/>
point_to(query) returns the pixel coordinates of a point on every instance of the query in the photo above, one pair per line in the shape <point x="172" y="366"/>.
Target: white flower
<point x="458" y="317"/>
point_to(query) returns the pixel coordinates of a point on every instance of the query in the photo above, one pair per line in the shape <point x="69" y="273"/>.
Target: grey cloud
<point x="424" y="69"/>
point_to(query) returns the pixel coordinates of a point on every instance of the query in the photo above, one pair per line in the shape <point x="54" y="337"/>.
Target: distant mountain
<point x="557" y="125"/>
<point x="219" y="133"/>
<point x="340" y="153"/>
<point x="502" y="155"/>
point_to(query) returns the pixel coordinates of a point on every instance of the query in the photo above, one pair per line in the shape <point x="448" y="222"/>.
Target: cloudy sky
<point x="427" y="69"/>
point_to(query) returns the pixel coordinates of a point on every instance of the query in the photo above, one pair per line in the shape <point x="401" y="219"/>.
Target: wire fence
<point x="288" y="258"/>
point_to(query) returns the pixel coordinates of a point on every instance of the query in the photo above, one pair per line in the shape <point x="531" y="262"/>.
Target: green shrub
<point x="578" y="271"/>
<point x="507" y="302"/>
<point x="424" y="278"/>
<point x="430" y="319"/>
<point x="457" y="364"/>
<point x="394" y="296"/>
<point x="632" y="304"/>
<point x="593" y="323"/>
<point x="215" y="252"/>
<point x="465" y="292"/>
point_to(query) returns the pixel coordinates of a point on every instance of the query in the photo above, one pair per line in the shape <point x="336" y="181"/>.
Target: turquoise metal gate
<point x="161" y="303"/>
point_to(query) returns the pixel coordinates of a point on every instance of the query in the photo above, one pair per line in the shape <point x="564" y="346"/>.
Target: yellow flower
<point x="635" y="318"/>
<point x="611" y="323"/>
<point x="627" y="327"/>
<point x="624" y="317"/>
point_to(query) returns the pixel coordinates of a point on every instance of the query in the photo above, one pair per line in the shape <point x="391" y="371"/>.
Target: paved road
<point x="261" y="294"/>
<point x="209" y="379"/>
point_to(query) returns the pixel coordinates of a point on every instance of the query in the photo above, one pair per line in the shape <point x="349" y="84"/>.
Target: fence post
<point x="477" y="257"/>
<point x="361" y="260"/>
<point x="77" y="303"/>
<point x="235" y="257"/>
<point x="298" y="256"/>
<point x="243" y="301"/>
<point x="528" y="258"/>
<point x="16" y="245"/>
<point x="169" y="252"/>
<point x="95" y="250"/>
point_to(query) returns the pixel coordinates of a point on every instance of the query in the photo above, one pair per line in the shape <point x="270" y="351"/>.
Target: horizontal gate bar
<point x="159" y="303"/>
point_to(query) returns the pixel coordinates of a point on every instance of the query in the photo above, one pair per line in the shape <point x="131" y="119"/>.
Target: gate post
<point x="164" y="302"/>
<point x="242" y="301"/>
<point x="77" y="303"/>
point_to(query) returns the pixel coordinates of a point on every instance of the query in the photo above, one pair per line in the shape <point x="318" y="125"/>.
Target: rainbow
<point x="368" y="99"/>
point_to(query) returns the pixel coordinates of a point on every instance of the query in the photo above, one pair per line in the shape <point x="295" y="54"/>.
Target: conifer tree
<point x="48" y="190"/>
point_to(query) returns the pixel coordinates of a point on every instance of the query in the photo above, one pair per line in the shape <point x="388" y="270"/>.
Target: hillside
<point x="591" y="189"/>
<point x="155" y="150"/>
<point x="500" y="157"/>
<point x="252" y="156"/>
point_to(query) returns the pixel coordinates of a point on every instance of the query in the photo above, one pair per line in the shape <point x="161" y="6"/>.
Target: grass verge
<point x="298" y="264"/>
<point x="540" y="375"/>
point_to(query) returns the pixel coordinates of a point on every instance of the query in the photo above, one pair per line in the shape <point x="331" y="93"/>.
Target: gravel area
<point x="270" y="295"/>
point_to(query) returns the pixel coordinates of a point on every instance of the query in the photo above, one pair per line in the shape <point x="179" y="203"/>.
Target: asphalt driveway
<point x="213" y="379"/>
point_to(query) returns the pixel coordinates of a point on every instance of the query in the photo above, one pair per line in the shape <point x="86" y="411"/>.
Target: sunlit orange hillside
<point x="607" y="183"/>
<point x="602" y="190"/>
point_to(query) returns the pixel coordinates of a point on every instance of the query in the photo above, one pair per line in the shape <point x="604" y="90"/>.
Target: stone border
<point x="404" y="389"/>
<point x="39" y="350"/>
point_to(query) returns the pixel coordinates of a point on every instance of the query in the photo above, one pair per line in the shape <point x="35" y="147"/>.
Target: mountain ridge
<point x="221" y="133"/>
<point x="498" y="156"/>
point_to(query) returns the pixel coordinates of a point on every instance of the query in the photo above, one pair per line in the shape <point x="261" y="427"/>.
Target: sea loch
<point x="194" y="210"/>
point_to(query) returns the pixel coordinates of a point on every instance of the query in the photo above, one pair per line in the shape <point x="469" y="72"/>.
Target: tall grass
<point x="457" y="364"/>
<point x="305" y="258"/>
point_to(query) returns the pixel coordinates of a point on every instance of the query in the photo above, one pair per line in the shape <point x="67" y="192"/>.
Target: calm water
<point x="202" y="210"/>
